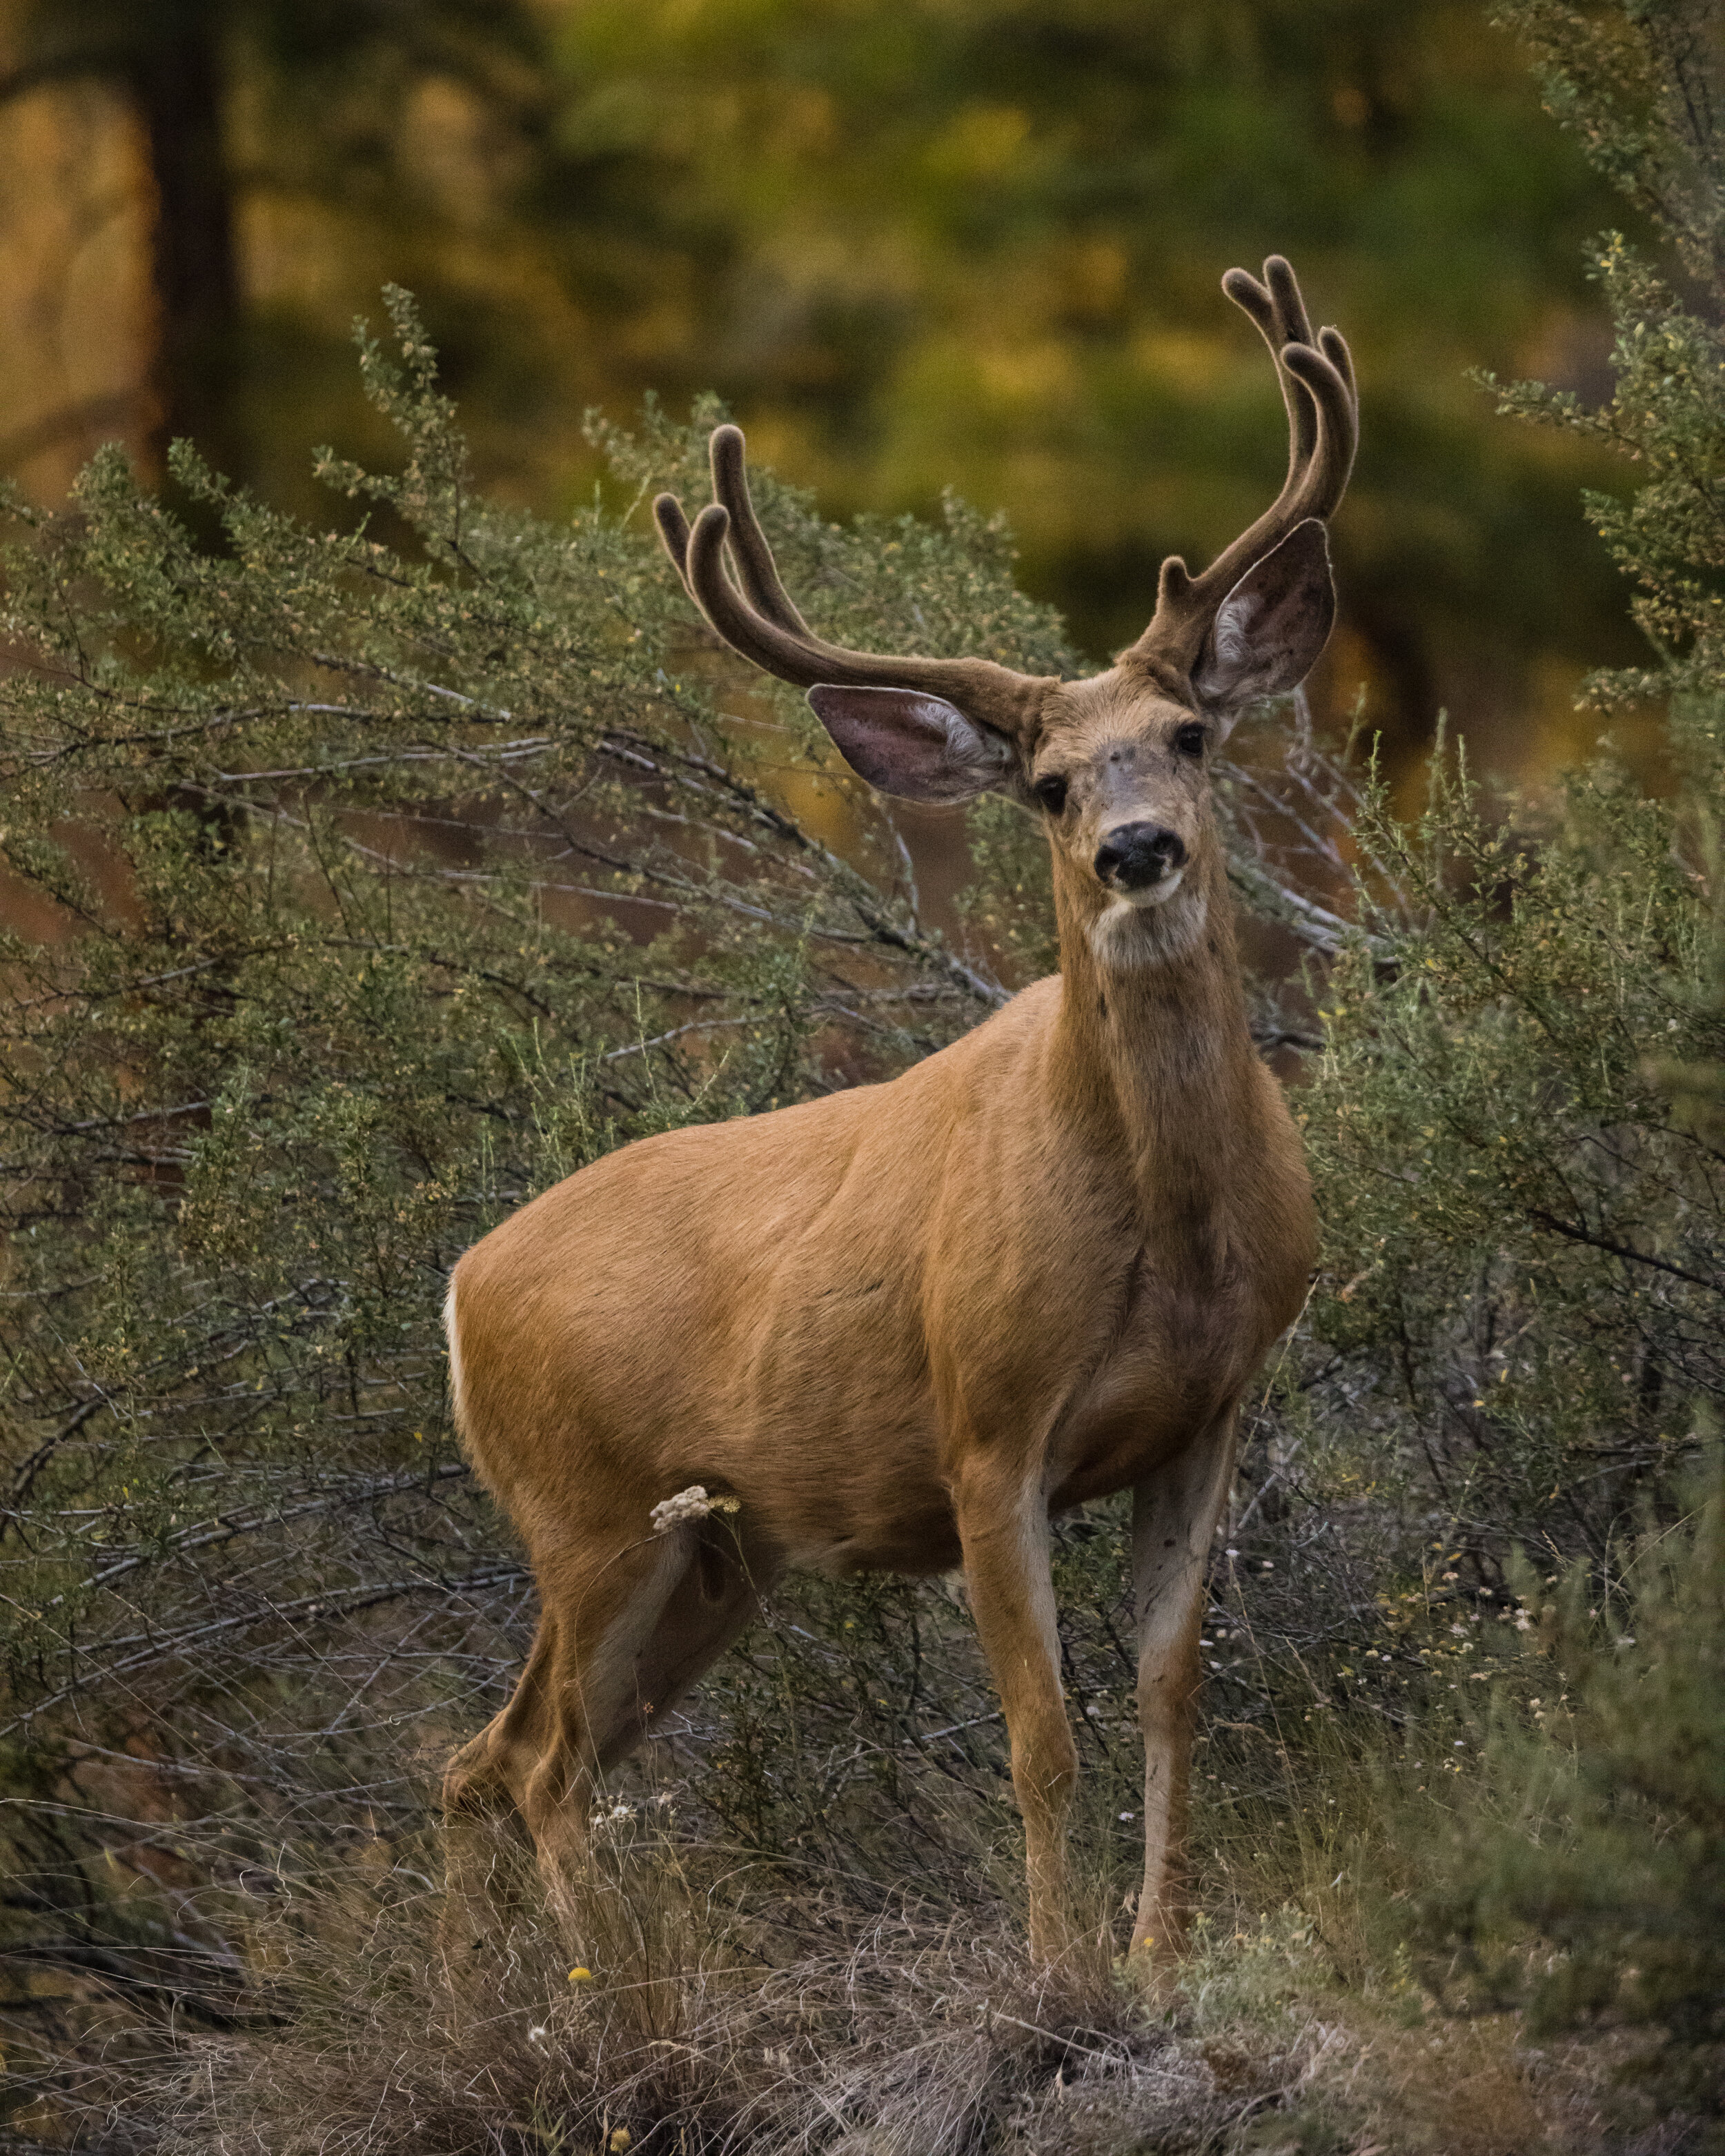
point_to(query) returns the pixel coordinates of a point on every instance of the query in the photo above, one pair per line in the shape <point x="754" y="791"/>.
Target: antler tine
<point x="1326" y="474"/>
<point x="1279" y="311"/>
<point x="749" y="549"/>
<point x="762" y="625"/>
<point x="674" y="532"/>
<point x="1316" y="375"/>
<point x="1333" y="345"/>
<point x="789" y="653"/>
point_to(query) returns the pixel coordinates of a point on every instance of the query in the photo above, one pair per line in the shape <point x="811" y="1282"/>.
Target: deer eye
<point x="1189" y="741"/>
<point x="1051" y="793"/>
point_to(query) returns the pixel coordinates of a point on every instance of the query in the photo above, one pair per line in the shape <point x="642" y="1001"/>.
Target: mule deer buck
<point x="903" y="1324"/>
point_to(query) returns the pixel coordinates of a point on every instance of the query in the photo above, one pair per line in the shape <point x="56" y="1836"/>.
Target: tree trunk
<point x="176" y="73"/>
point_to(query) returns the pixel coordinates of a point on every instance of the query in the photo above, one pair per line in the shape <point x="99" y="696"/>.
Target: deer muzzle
<point x="1136" y="857"/>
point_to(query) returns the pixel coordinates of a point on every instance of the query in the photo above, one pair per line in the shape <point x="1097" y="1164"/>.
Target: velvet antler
<point x="761" y="623"/>
<point x="1317" y="387"/>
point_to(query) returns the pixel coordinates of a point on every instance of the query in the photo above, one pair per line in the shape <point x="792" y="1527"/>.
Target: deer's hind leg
<point x="716" y="1591"/>
<point x="535" y="1766"/>
<point x="626" y="1629"/>
<point x="481" y="1809"/>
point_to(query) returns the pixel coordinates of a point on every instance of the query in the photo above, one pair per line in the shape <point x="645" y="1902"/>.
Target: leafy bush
<point x="1514" y="1342"/>
<point x="1598" y="1829"/>
<point x="1515" y="1126"/>
<point x="1525" y="1309"/>
<point x="374" y="887"/>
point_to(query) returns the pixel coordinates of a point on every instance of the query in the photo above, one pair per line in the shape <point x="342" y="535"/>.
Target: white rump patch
<point x="457" y="1391"/>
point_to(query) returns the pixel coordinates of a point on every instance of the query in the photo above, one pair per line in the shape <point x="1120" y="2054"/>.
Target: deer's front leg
<point x="1004" y="1528"/>
<point x="1174" y="1516"/>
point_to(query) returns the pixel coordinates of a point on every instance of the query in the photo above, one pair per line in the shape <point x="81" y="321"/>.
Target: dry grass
<point x="863" y="1990"/>
<point x="730" y="2002"/>
<point x="734" y="2012"/>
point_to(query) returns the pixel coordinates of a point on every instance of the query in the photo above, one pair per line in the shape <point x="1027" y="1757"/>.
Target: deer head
<point x="1117" y="764"/>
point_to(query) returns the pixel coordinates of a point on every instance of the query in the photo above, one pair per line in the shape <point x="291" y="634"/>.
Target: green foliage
<point x="1524" y="1309"/>
<point x="374" y="889"/>
<point x="377" y="883"/>
<point x="973" y="241"/>
<point x="1639" y="81"/>
<point x="1636" y="81"/>
<point x="1599" y="1829"/>
<point x="1517" y="1329"/>
<point x="1515" y="1133"/>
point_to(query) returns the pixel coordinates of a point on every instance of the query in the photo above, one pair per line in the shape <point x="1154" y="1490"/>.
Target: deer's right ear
<point x="913" y="744"/>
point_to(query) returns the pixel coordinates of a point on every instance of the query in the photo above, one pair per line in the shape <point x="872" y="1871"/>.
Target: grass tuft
<point x="744" y="2009"/>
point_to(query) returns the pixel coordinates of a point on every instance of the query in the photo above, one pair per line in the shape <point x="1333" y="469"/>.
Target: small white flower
<point x="1460" y="1631"/>
<point x="690" y="1504"/>
<point x="1524" y="1623"/>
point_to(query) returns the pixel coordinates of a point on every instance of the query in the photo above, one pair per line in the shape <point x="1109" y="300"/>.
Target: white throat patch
<point x="1150" y="927"/>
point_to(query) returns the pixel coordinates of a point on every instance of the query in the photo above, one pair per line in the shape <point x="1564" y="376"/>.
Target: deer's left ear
<point x="913" y="744"/>
<point x="1269" y="629"/>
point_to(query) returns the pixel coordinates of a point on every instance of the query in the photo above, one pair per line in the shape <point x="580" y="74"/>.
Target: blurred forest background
<point x="949" y="243"/>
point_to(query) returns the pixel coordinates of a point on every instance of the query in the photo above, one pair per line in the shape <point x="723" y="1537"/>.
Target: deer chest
<point x="1176" y="1360"/>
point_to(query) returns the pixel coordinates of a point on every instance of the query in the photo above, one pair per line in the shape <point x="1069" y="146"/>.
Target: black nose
<point x="1135" y="855"/>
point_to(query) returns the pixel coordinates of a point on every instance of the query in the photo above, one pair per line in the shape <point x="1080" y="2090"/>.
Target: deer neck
<point x="1153" y="1054"/>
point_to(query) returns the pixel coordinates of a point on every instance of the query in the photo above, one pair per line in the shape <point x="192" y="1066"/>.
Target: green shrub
<point x="375" y="886"/>
<point x="1588" y="1880"/>
<point x="1514" y="1342"/>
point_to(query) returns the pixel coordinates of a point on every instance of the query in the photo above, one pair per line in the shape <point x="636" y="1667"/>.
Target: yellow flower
<point x="619" y="2141"/>
<point x="581" y="1976"/>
